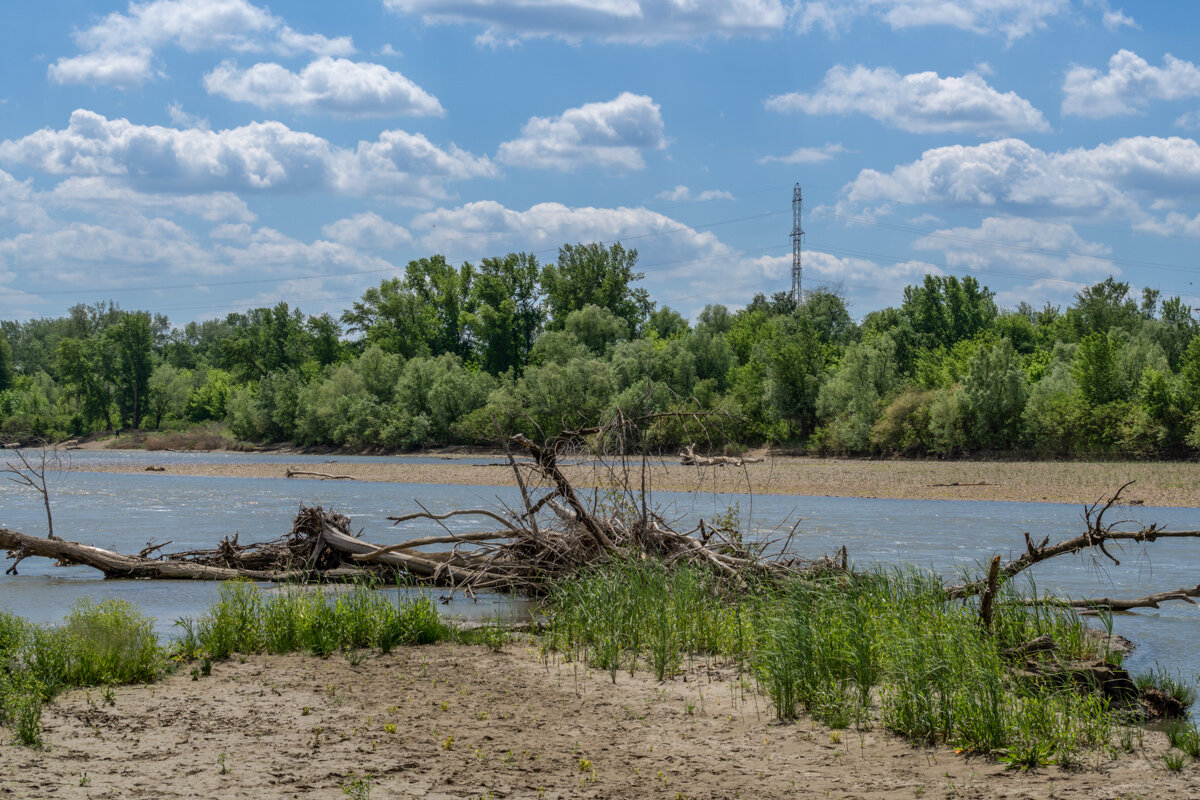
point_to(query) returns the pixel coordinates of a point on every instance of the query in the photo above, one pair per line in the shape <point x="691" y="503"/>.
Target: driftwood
<point x="688" y="458"/>
<point x="295" y="473"/>
<point x="1096" y="538"/>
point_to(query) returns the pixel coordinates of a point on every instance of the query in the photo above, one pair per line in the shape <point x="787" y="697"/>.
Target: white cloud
<point x="328" y="85"/>
<point x="642" y="21"/>
<point x="486" y="227"/>
<point x="1019" y="247"/>
<point x="1012" y="18"/>
<point x="1115" y="20"/>
<point x="921" y="102"/>
<point x="367" y="230"/>
<point x="682" y="194"/>
<point x="1012" y="175"/>
<point x="19" y="206"/>
<point x="182" y="119"/>
<point x="612" y="135"/>
<point x="260" y="157"/>
<point x="1128" y="86"/>
<point x="119" y="49"/>
<point x="105" y="197"/>
<point x="807" y="155"/>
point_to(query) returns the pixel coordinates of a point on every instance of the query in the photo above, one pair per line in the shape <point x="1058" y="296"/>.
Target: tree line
<point x="443" y="353"/>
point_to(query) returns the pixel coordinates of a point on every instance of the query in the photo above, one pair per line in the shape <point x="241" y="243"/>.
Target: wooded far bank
<point x="443" y="354"/>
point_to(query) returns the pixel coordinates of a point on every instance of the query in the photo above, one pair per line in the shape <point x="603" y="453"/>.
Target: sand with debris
<point x="1155" y="483"/>
<point x="456" y="721"/>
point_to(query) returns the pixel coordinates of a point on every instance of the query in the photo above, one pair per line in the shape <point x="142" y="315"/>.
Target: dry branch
<point x="688" y="458"/>
<point x="1095" y="538"/>
<point x="295" y="473"/>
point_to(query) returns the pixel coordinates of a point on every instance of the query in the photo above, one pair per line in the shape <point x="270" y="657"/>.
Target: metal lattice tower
<point x="797" y="236"/>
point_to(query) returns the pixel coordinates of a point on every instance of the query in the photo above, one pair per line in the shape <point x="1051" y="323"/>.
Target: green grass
<point x="112" y="642"/>
<point x="883" y="648"/>
<point x="304" y="619"/>
<point x="105" y="643"/>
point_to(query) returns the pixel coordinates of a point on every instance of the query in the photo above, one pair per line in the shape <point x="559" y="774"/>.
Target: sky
<point x="197" y="157"/>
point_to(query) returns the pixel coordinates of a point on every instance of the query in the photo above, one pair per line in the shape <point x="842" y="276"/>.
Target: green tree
<point x="1095" y="368"/>
<point x="596" y="328"/>
<point x="1104" y="307"/>
<point x="87" y="367"/>
<point x="132" y="343"/>
<point x="508" y="313"/>
<point x="943" y="309"/>
<point x="994" y="392"/>
<point x="6" y="367"/>
<point x="592" y="274"/>
<point x="852" y="398"/>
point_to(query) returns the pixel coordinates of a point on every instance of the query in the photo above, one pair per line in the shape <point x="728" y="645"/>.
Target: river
<point x="124" y="511"/>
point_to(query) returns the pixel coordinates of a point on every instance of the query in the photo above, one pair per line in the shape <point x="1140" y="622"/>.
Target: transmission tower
<point x="797" y="236"/>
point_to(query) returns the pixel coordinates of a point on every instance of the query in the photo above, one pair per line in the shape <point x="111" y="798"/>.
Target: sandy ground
<point x="1157" y="483"/>
<point x="451" y="721"/>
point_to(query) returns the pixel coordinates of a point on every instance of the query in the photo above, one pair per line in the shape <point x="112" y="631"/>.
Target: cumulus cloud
<point x="260" y="157"/>
<point x="1021" y="247"/>
<point x="119" y="49"/>
<point x="367" y="230"/>
<point x="1012" y="18"/>
<point x="922" y="102"/>
<point x="1014" y="176"/>
<point x="106" y="197"/>
<point x="642" y="21"/>
<point x="328" y="85"/>
<point x="682" y="194"/>
<point x="486" y="227"/>
<point x="19" y="206"/>
<point x="1128" y="86"/>
<point x="807" y="155"/>
<point x="612" y="134"/>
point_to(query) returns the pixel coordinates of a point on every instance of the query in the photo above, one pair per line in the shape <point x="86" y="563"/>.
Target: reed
<point x="300" y="618"/>
<point x="881" y="647"/>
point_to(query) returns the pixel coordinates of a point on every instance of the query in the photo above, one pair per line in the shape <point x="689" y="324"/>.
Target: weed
<point x="357" y="787"/>
<point x="1174" y="761"/>
<point x="221" y="763"/>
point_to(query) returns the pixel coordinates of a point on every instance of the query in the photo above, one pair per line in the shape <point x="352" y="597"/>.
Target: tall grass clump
<point x="890" y="646"/>
<point x="298" y="618"/>
<point x="627" y="613"/>
<point x="104" y="643"/>
<point x="882" y="647"/>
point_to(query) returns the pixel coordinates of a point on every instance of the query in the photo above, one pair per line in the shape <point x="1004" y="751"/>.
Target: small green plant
<point x="1184" y="736"/>
<point x="84" y="780"/>
<point x="1027" y="756"/>
<point x="224" y="768"/>
<point x="357" y="787"/>
<point x="1174" y="761"/>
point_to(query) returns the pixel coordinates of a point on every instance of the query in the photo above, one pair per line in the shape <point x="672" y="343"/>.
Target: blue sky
<point x="197" y="157"/>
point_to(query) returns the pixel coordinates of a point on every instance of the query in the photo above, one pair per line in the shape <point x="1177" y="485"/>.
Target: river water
<point x="125" y="511"/>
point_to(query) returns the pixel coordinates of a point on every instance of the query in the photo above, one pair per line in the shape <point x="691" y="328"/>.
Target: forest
<point x="449" y="355"/>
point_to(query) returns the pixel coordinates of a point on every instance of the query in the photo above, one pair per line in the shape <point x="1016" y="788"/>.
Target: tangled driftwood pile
<point x="556" y="532"/>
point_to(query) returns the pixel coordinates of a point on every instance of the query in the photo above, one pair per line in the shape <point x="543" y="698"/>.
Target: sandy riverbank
<point x="1157" y="483"/>
<point x="451" y="721"/>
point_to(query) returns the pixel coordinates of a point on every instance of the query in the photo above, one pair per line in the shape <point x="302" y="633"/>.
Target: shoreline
<point x="1084" y="482"/>
<point x="452" y="720"/>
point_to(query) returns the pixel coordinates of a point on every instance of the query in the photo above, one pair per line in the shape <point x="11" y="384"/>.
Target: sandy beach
<point x="456" y="721"/>
<point x="1156" y="483"/>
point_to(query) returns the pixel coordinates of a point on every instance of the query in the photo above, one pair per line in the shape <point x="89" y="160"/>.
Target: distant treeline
<point x="442" y="354"/>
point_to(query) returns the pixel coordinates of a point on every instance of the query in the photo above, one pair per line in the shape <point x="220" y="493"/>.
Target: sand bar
<point x="452" y="721"/>
<point x="1157" y="483"/>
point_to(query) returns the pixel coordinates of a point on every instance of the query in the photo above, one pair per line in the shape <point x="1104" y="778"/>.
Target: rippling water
<point x="125" y="511"/>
